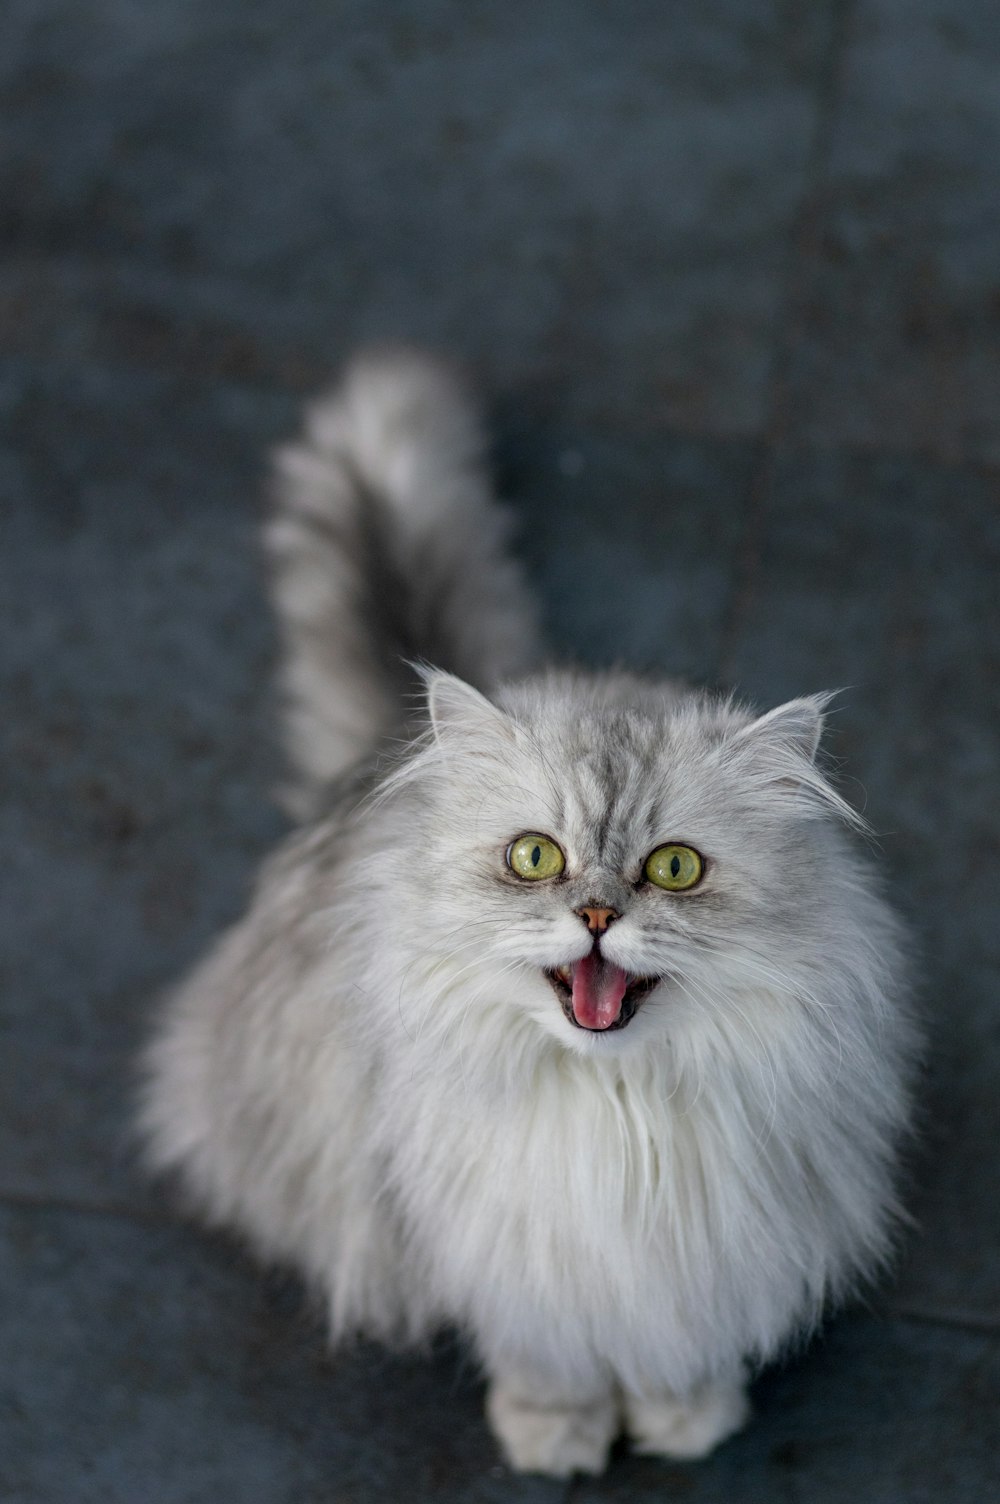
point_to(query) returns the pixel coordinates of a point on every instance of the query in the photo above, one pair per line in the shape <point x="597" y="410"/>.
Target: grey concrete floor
<point x="730" y="274"/>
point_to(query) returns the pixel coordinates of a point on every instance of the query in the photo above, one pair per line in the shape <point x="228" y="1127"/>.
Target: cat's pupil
<point x="536" y="856"/>
<point x="675" y="866"/>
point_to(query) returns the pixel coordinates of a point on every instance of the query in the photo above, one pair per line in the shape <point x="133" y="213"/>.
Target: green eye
<point x="534" y="857"/>
<point x="675" y="868"/>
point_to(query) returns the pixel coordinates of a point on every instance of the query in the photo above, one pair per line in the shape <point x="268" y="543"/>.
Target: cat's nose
<point x="597" y="920"/>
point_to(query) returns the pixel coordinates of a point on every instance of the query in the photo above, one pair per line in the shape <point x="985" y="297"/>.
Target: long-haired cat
<point x="570" y="1016"/>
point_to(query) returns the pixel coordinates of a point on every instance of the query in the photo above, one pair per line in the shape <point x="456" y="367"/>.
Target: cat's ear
<point x="793" y="727"/>
<point x="458" y="710"/>
<point x="780" y="751"/>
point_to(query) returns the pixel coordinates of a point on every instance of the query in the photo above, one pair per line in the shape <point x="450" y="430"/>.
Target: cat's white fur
<point x="371" y="1077"/>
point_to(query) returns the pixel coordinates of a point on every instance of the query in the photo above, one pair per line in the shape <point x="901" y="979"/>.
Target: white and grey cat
<point x="570" y="1016"/>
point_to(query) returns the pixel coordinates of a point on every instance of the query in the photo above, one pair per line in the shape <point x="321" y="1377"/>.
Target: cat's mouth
<point x="596" y="995"/>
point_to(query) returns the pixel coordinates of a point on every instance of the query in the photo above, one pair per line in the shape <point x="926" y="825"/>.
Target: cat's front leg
<point x="691" y="1426"/>
<point x="542" y="1430"/>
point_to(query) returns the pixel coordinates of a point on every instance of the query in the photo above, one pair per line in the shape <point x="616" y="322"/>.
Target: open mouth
<point x="598" y="996"/>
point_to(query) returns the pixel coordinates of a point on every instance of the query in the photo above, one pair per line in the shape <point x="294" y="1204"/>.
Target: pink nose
<point x="597" y="920"/>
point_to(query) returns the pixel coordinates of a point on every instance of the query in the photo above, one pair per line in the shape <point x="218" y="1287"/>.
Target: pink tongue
<point x="598" y="989"/>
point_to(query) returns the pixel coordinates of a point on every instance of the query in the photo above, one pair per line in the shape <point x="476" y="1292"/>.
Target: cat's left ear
<point x="794" y="727"/>
<point x="780" y="749"/>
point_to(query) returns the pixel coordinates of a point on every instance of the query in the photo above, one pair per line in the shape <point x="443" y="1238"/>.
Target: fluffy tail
<point x="387" y="547"/>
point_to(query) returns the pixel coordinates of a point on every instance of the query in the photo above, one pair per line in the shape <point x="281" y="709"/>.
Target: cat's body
<point x="377" y="1077"/>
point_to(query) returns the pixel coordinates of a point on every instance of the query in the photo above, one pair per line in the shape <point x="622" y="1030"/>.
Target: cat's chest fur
<point x="602" y="1206"/>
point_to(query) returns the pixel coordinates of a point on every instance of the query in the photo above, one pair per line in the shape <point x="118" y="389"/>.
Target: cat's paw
<point x="557" y="1439"/>
<point x="691" y="1427"/>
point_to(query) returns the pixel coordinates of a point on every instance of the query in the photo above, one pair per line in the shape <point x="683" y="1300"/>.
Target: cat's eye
<point x="675" y="868"/>
<point x="534" y="857"/>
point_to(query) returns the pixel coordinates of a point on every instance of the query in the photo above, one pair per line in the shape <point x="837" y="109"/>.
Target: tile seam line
<point x="799" y="256"/>
<point x="24" y="1201"/>
<point x="985" y="1326"/>
<point x="856" y="450"/>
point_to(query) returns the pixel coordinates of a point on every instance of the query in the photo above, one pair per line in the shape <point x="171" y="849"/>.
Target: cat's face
<point x="625" y="855"/>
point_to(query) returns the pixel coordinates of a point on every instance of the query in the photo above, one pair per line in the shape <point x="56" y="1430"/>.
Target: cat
<point x="570" y="1016"/>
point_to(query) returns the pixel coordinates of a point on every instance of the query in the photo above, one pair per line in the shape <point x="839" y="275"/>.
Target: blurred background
<point x="728" y="276"/>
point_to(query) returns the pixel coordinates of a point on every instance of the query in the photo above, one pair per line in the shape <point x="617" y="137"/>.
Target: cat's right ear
<point x="457" y="710"/>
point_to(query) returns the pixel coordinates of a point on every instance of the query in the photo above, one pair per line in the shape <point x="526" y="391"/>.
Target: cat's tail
<point x="387" y="548"/>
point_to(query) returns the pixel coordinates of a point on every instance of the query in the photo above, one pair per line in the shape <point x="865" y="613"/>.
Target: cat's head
<point x="623" y="857"/>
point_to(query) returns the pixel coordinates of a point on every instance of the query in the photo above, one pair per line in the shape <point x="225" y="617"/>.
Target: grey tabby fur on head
<point x="571" y="1016"/>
